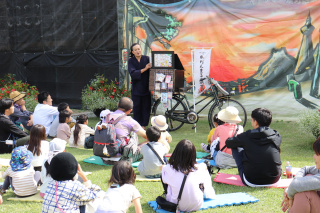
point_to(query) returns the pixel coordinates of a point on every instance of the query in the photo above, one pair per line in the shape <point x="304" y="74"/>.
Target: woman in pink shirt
<point x="230" y="116"/>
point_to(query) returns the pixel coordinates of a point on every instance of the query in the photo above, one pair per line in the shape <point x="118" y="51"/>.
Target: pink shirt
<point x="224" y="132"/>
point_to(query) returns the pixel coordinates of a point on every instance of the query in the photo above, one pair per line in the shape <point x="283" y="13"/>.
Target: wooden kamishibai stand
<point x="166" y="75"/>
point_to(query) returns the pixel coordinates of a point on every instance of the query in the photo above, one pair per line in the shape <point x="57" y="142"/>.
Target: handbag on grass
<point x="224" y="160"/>
<point x="169" y="206"/>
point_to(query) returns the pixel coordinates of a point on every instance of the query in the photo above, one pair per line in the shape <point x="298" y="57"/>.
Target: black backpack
<point x="106" y="138"/>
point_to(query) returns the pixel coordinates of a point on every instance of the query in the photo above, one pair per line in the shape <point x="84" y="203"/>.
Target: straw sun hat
<point x="229" y="115"/>
<point x="16" y="96"/>
<point x="160" y="122"/>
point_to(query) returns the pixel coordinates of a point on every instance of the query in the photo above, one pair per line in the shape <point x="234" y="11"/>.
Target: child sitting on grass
<point x="122" y="193"/>
<point x="38" y="145"/>
<point x="160" y="122"/>
<point x="21" y="175"/>
<point x="56" y="146"/>
<point x="64" y="193"/>
<point x="151" y="165"/>
<point x="81" y="133"/>
<point x="217" y="122"/>
<point x="63" y="130"/>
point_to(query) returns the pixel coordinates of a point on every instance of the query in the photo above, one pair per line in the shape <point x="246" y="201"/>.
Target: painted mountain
<point x="271" y="73"/>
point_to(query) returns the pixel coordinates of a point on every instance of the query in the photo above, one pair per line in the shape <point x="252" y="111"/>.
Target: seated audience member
<point x="44" y="113"/>
<point x="81" y="134"/>
<point x="217" y="122"/>
<point x="160" y="122"/>
<point x="38" y="146"/>
<point x="151" y="165"/>
<point x="302" y="195"/>
<point x="21" y="175"/>
<point x="64" y="192"/>
<point x="122" y="193"/>
<point x="127" y="124"/>
<point x="198" y="185"/>
<point x="8" y="129"/>
<point x="63" y="130"/>
<point x="257" y="151"/>
<point x="55" y="123"/>
<point x="20" y="115"/>
<point x="56" y="146"/>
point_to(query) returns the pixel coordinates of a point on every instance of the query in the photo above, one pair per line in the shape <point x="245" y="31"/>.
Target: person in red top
<point x="227" y="130"/>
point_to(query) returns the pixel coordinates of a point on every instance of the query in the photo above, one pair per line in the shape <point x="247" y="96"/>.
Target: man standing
<point x="257" y="151"/>
<point x="45" y="113"/>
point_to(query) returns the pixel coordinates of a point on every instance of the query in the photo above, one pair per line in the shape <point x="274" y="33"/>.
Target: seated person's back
<point x="7" y="127"/>
<point x="150" y="165"/>
<point x="44" y="113"/>
<point x="261" y="150"/>
<point x="127" y="124"/>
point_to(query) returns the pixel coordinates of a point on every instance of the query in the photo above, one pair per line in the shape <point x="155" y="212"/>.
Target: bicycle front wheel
<point x="175" y="113"/>
<point x="222" y="104"/>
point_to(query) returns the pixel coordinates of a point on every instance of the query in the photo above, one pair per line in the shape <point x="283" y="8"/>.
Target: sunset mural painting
<point x="257" y="45"/>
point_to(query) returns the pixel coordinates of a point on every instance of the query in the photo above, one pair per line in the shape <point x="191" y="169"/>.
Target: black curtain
<point x="58" y="45"/>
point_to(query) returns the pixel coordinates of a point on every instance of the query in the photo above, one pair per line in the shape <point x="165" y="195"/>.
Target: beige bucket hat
<point x="229" y="115"/>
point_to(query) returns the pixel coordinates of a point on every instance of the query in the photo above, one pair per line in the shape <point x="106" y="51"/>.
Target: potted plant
<point x="9" y="84"/>
<point x="101" y="94"/>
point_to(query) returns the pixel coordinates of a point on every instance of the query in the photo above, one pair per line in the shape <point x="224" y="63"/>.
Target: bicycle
<point x="179" y="111"/>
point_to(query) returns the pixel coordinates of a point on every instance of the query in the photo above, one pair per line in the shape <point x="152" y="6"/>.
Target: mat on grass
<point x="168" y="155"/>
<point x="212" y="163"/>
<point x="34" y="198"/>
<point x="141" y="178"/>
<point x="236" y="181"/>
<point x="95" y="160"/>
<point x="202" y="154"/>
<point x="4" y="162"/>
<point x="221" y="200"/>
<point x="136" y="164"/>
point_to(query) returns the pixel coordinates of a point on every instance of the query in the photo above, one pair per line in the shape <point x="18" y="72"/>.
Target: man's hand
<point x="286" y="202"/>
<point x="30" y="123"/>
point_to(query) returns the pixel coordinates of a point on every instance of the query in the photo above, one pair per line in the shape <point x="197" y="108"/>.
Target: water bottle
<point x="288" y="170"/>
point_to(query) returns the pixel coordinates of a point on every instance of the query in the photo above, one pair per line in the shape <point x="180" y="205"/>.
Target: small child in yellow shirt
<point x="216" y="122"/>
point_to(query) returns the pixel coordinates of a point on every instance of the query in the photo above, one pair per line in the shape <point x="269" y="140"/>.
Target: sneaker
<point x="205" y="147"/>
<point x="2" y="191"/>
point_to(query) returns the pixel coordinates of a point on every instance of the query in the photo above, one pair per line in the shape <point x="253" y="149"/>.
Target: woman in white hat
<point x="230" y="116"/>
<point x="160" y="122"/>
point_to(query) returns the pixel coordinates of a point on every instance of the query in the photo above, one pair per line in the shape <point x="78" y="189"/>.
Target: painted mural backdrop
<point x="258" y="45"/>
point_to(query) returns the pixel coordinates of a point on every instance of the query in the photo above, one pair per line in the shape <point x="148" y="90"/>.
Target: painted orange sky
<point x="241" y="37"/>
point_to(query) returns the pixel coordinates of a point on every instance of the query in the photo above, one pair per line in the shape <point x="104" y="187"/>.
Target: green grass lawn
<point x="296" y="147"/>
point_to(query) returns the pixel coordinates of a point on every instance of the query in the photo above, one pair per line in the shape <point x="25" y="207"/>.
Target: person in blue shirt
<point x="139" y="68"/>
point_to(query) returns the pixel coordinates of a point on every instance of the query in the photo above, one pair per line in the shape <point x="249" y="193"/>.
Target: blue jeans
<point x="238" y="156"/>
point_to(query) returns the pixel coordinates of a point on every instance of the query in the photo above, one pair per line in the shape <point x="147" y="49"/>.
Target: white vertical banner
<point x="201" y="70"/>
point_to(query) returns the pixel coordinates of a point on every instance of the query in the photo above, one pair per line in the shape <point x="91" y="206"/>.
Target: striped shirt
<point x="22" y="181"/>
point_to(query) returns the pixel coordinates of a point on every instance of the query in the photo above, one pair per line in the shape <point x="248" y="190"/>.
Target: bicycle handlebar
<point x="218" y="86"/>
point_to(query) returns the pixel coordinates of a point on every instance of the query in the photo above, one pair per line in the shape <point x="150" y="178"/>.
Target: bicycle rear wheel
<point x="223" y="103"/>
<point x="174" y="113"/>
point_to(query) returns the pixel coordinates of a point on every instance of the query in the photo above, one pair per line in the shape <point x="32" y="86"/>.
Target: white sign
<point x="201" y="71"/>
